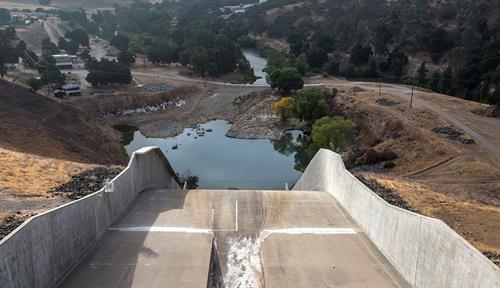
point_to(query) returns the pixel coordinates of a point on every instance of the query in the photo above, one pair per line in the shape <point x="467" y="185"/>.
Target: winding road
<point x="457" y="119"/>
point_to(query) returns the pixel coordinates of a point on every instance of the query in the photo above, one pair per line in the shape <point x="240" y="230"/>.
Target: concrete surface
<point x="262" y="239"/>
<point x="43" y="250"/>
<point x="425" y="251"/>
<point x="149" y="233"/>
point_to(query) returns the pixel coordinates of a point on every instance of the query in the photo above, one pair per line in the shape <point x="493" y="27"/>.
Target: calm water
<point x="223" y="162"/>
<point x="258" y="64"/>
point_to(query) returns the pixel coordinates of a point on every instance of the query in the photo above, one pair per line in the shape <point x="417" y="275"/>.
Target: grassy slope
<point x="35" y="124"/>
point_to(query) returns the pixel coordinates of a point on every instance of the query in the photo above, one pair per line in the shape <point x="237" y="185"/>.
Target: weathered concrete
<point x="135" y="254"/>
<point x="424" y="250"/>
<point x="163" y="237"/>
<point x="263" y="239"/>
<point x="42" y="251"/>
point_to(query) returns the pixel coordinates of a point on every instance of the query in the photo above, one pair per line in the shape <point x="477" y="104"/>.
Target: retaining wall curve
<point x="44" y="249"/>
<point x="425" y="251"/>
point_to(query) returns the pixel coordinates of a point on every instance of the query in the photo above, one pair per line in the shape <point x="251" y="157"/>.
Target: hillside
<point x="434" y="174"/>
<point x="458" y="40"/>
<point x="35" y="124"/>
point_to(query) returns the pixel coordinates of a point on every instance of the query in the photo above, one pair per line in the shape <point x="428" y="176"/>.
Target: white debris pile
<point x="157" y="86"/>
<point x="147" y="109"/>
<point x="244" y="266"/>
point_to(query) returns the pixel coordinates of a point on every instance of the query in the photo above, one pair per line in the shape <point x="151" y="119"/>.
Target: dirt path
<point x="53" y="31"/>
<point x="460" y="118"/>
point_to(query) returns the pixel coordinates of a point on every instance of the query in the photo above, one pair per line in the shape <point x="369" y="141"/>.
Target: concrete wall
<point x="424" y="250"/>
<point x="42" y="251"/>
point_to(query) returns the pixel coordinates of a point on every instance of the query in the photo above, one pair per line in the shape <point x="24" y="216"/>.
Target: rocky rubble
<point x="86" y="182"/>
<point x="386" y="102"/>
<point x="452" y="134"/>
<point x="387" y="194"/>
<point x="146" y="109"/>
<point x="11" y="222"/>
<point x="494" y="257"/>
<point x="157" y="87"/>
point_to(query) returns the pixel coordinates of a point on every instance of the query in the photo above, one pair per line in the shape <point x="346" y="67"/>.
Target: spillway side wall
<point x="45" y="248"/>
<point x="425" y="251"/>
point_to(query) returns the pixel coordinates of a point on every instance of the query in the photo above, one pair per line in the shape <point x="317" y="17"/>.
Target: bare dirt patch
<point x="256" y="120"/>
<point x="437" y="176"/>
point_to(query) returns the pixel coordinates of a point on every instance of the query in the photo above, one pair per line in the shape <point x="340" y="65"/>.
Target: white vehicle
<point x="68" y="90"/>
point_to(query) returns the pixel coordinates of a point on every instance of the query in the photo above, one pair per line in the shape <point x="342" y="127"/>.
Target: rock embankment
<point x="86" y="182"/>
<point x="255" y="119"/>
<point x="387" y="194"/>
<point x="11" y="222"/>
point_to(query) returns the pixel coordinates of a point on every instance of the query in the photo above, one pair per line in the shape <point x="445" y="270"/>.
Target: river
<point x="258" y="64"/>
<point x="221" y="162"/>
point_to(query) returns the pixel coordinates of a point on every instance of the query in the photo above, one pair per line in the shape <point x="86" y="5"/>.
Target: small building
<point x="65" y="61"/>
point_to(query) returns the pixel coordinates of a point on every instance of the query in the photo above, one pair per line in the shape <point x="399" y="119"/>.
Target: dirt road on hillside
<point x="464" y="119"/>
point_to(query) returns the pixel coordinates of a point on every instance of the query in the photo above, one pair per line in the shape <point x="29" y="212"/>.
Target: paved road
<point x="262" y="239"/>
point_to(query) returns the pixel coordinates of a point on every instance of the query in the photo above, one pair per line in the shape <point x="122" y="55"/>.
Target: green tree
<point x="445" y="83"/>
<point x="276" y="60"/>
<point x="286" y="80"/>
<point x="126" y="58"/>
<point x="434" y="81"/>
<point x="35" y="84"/>
<point x="334" y="134"/>
<point x="79" y="36"/>
<point x="301" y="65"/>
<point x="316" y="57"/>
<point x="199" y="61"/>
<point x="310" y="104"/>
<point x="422" y="74"/>
<point x="332" y="67"/>
<point x="50" y="74"/>
<point x="6" y="37"/>
<point x="120" y="41"/>
<point x="285" y="107"/>
<point x="107" y="72"/>
<point x="4" y="16"/>
<point x="360" y="55"/>
<point x="190" y="180"/>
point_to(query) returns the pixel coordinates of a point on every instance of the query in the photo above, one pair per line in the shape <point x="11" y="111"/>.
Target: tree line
<point x="188" y="32"/>
<point x="376" y="39"/>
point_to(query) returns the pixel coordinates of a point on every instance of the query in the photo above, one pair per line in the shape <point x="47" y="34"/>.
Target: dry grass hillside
<point x="35" y="124"/>
<point x="43" y="142"/>
<point x="439" y="177"/>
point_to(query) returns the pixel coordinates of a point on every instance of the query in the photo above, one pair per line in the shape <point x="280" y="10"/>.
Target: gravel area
<point x="86" y="182"/>
<point x="386" y="102"/>
<point x="157" y="87"/>
<point x="452" y="134"/>
<point x="387" y="194"/>
<point x="11" y="222"/>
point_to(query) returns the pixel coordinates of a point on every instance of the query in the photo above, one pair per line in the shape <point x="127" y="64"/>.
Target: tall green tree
<point x="106" y="72"/>
<point x="310" y="104"/>
<point x="286" y="80"/>
<point x="334" y="134"/>
<point x="422" y="74"/>
<point x="7" y="36"/>
<point x="4" y="16"/>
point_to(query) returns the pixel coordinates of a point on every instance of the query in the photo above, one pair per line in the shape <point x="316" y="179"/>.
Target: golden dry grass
<point x="26" y="175"/>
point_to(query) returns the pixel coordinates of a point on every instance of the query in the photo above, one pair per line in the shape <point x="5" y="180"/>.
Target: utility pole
<point x="411" y="98"/>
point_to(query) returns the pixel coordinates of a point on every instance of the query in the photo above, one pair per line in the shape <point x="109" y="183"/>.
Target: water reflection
<point x="223" y="162"/>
